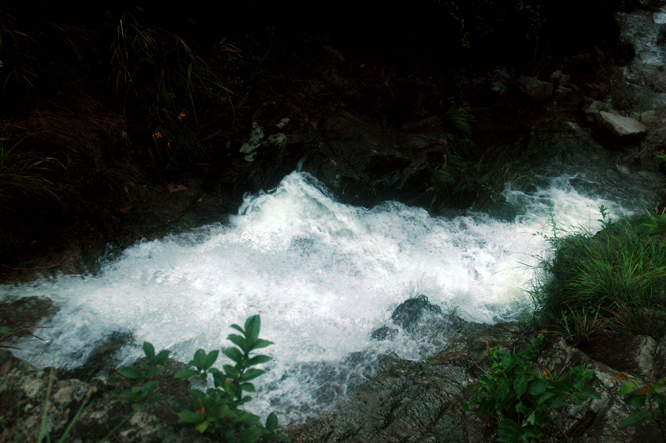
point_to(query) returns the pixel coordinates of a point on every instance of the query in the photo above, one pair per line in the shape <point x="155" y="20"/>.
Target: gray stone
<point x="384" y="333"/>
<point x="620" y="127"/>
<point x="560" y="78"/>
<point x="539" y="91"/>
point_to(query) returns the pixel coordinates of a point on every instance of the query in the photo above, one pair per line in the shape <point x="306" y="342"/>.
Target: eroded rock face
<point x="420" y="402"/>
<point x="24" y="389"/>
<point x="403" y="401"/>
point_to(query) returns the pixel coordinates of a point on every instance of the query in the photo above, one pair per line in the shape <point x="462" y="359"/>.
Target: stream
<point x="323" y="275"/>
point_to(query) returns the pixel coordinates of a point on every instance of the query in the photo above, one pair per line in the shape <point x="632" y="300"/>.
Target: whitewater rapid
<point x="321" y="274"/>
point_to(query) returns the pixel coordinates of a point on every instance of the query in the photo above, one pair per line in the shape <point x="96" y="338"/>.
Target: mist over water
<point x="321" y="274"/>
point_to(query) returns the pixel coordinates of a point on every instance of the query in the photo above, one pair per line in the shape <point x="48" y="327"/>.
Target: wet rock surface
<point x="409" y="401"/>
<point x="37" y="402"/>
<point x="400" y="401"/>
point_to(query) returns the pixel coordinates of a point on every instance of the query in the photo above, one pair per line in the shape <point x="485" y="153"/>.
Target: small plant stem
<point x="43" y="428"/>
<point x="76" y="417"/>
<point x="557" y="426"/>
<point x="113" y="431"/>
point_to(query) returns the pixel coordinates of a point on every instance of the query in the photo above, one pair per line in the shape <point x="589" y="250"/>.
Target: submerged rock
<point x="409" y="313"/>
<point x="384" y="333"/>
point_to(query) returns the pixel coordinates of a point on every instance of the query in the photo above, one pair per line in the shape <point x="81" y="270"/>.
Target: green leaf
<point x="239" y="341"/>
<point x="129" y="372"/>
<point x="251" y="374"/>
<point x="189" y="417"/>
<point x="239" y="329"/>
<point x="199" y="360"/>
<point x="149" y="350"/>
<point x="250" y="435"/>
<point x="248" y="387"/>
<point x="508" y="430"/>
<point x="556" y="402"/>
<point x="230" y="371"/>
<point x="252" y="326"/>
<point x="636" y="418"/>
<point x="637" y="401"/>
<point x="508" y="361"/>
<point x="590" y="392"/>
<point x="261" y="343"/>
<point x="219" y="379"/>
<point x="6" y="330"/>
<point x="259" y="359"/>
<point x="538" y="387"/>
<point x="234" y="354"/>
<point x="162" y="357"/>
<point x="520" y="386"/>
<point x="211" y="358"/>
<point x="201" y="427"/>
<point x="186" y="373"/>
<point x="272" y="422"/>
<point x="627" y="388"/>
<point x="151" y="385"/>
<point x="151" y="372"/>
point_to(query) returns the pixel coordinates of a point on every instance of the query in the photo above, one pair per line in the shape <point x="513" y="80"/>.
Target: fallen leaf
<point x="620" y="377"/>
<point x="5" y="366"/>
<point x="178" y="188"/>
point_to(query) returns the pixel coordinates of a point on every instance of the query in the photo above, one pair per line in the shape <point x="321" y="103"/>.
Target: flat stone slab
<point x="622" y="128"/>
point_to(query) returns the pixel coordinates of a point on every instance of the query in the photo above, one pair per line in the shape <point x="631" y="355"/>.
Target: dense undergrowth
<point x="98" y="101"/>
<point x="614" y="279"/>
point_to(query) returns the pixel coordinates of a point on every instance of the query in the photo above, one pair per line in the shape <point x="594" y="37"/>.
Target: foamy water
<point x="321" y="274"/>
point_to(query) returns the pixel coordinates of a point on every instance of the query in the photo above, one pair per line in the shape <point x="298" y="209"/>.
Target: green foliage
<point x="519" y="396"/>
<point x="650" y="399"/>
<point x="615" y="278"/>
<point x="24" y="174"/>
<point x="481" y="21"/>
<point x="650" y="224"/>
<point x="645" y="102"/>
<point x="217" y="409"/>
<point x="143" y="376"/>
<point x="458" y="124"/>
<point x="5" y="333"/>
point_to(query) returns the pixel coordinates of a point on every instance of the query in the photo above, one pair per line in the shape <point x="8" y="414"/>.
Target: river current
<point x="321" y="274"/>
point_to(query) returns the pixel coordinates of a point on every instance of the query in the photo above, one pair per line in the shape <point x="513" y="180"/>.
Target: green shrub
<point x="650" y="398"/>
<point x="519" y="396"/>
<point x="217" y="410"/>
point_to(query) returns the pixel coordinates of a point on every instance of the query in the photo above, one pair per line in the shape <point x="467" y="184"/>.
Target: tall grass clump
<point x="176" y="90"/>
<point x="615" y="279"/>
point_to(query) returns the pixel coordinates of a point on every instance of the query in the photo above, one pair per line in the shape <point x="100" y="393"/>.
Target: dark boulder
<point x="410" y="313"/>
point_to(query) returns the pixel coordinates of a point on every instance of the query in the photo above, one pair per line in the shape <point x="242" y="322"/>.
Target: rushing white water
<point x="642" y="29"/>
<point x="321" y="274"/>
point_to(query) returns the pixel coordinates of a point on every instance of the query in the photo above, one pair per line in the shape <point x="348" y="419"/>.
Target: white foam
<point x="320" y="273"/>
